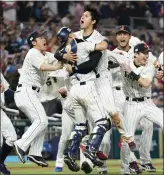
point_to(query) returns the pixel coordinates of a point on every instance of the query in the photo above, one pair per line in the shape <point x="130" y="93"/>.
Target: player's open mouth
<point x="122" y="41"/>
<point x="81" y="22"/>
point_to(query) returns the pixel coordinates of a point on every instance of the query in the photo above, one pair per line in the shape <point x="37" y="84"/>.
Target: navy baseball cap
<point x="123" y="28"/>
<point x="63" y="34"/>
<point x="142" y="47"/>
<point x="36" y="34"/>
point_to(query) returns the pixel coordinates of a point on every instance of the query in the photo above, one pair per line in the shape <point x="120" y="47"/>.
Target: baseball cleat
<point x="20" y="153"/>
<point x="58" y="169"/>
<point x="4" y="170"/>
<point x="148" y="167"/>
<point x="86" y="167"/>
<point x="38" y="160"/>
<point x="103" y="172"/>
<point x="91" y="155"/>
<point x="134" y="168"/>
<point x="71" y="163"/>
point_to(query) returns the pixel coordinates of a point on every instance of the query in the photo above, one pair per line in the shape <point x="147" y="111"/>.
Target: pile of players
<point x="102" y="88"/>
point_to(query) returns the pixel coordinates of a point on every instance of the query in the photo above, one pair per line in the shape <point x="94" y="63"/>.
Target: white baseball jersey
<point x="161" y="60"/>
<point x="7" y="129"/>
<point x="96" y="37"/>
<point x="83" y="51"/>
<point x="134" y="41"/>
<point x="5" y="84"/>
<point x="31" y="74"/>
<point x="27" y="99"/>
<point x="55" y="80"/>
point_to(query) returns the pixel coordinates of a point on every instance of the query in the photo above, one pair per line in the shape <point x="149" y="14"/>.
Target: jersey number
<point x="49" y="83"/>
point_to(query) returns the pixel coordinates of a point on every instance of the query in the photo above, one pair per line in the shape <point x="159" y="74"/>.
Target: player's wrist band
<point x="134" y="76"/>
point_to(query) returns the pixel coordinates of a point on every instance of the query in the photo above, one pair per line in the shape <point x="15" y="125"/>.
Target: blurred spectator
<point x="9" y="10"/>
<point x="67" y="20"/>
<point x="24" y="10"/>
<point x="123" y="15"/>
<point x="13" y="45"/>
<point x="79" y="9"/>
<point x="32" y="24"/>
<point x="10" y="69"/>
<point x="105" y="10"/>
<point x="20" y="56"/>
<point x="63" y="7"/>
<point x="37" y="10"/>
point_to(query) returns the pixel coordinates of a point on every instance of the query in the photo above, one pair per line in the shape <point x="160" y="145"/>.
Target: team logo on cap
<point x="145" y="46"/>
<point x="122" y="28"/>
<point x="31" y="38"/>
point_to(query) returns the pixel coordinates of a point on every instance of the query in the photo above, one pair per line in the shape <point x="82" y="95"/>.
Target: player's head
<point x="90" y="18"/>
<point x="123" y="35"/>
<point x="37" y="40"/>
<point x="141" y="52"/>
<point x="63" y="34"/>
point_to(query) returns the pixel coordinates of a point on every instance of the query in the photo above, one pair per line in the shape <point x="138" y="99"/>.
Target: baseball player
<point x="123" y="36"/>
<point x="80" y="82"/>
<point x="88" y="23"/>
<point x="7" y="130"/>
<point x="96" y="37"/>
<point x="32" y="78"/>
<point x="137" y="77"/>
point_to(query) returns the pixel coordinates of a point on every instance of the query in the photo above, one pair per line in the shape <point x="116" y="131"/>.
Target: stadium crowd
<point x="19" y="18"/>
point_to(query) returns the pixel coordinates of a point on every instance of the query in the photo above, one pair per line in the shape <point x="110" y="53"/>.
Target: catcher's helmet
<point x="63" y="34"/>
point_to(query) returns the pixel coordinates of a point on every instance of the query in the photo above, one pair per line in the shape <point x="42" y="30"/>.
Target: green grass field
<point x="113" y="168"/>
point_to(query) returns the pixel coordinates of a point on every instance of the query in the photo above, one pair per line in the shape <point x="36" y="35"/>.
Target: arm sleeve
<point x="89" y="65"/>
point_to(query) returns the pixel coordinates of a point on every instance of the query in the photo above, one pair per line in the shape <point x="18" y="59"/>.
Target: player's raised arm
<point x="87" y="66"/>
<point x="102" y="45"/>
<point x="51" y="67"/>
<point x="141" y="54"/>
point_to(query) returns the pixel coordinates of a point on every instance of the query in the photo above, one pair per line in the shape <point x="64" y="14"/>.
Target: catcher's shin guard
<point x="95" y="139"/>
<point x="76" y="136"/>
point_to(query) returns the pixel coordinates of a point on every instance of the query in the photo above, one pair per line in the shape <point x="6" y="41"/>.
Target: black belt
<point x="137" y="99"/>
<point x="33" y="87"/>
<point x="97" y="75"/>
<point x="118" y="88"/>
<point x="83" y="83"/>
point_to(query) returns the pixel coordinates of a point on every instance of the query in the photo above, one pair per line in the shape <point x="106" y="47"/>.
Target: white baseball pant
<point x="7" y="130"/>
<point x="67" y="127"/>
<point x="27" y="100"/>
<point x="133" y="113"/>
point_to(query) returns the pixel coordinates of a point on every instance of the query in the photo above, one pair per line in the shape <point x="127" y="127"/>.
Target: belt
<point x="97" y="75"/>
<point x="33" y="87"/>
<point x="118" y="88"/>
<point x="83" y="83"/>
<point x="140" y="99"/>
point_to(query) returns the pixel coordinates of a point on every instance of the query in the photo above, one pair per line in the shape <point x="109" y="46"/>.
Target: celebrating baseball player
<point x="32" y="78"/>
<point x="137" y="75"/>
<point x="7" y="130"/>
<point x="123" y="37"/>
<point x="83" y="82"/>
<point x="88" y="23"/>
